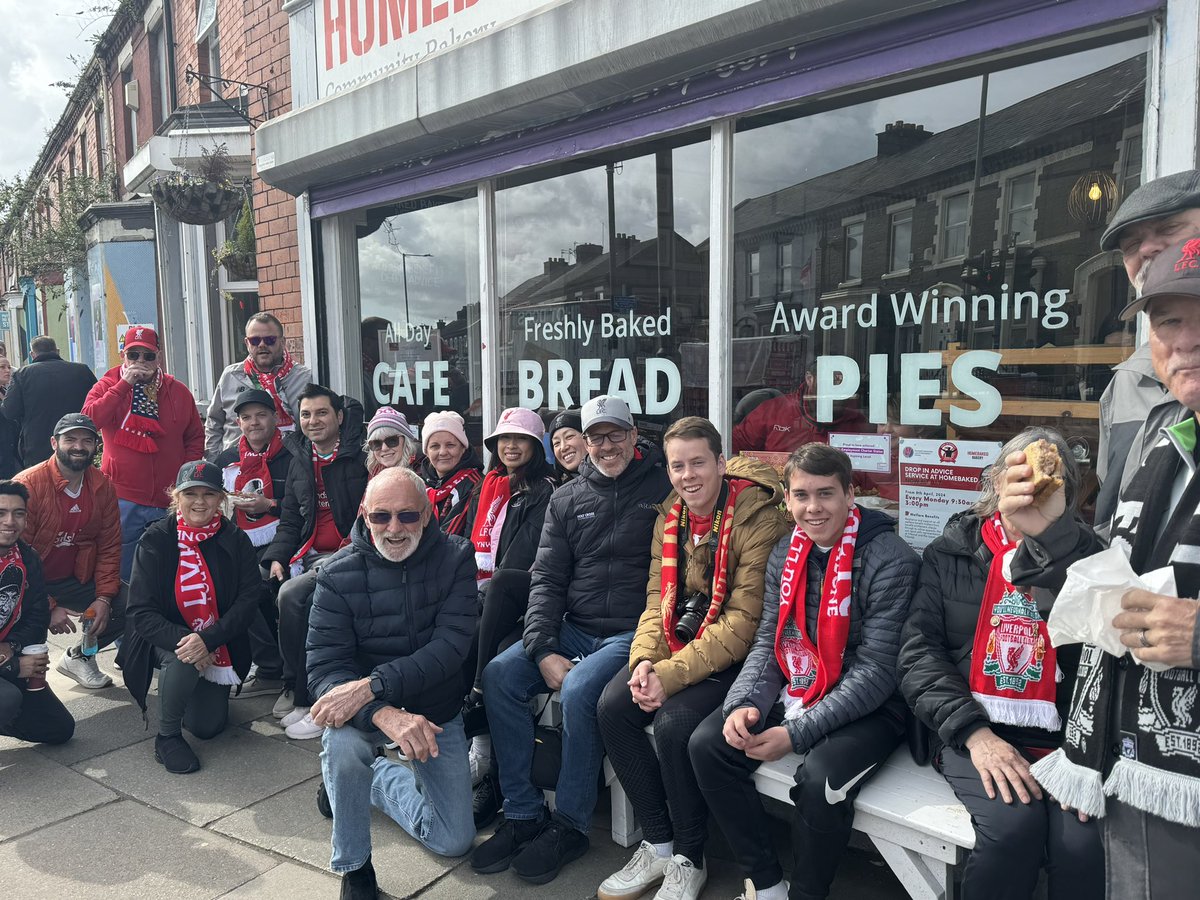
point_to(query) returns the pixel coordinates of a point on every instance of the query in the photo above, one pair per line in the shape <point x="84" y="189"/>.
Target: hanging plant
<point x="238" y="256"/>
<point x="200" y="198"/>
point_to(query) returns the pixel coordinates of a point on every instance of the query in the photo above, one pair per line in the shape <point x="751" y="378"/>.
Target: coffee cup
<point x="35" y="682"/>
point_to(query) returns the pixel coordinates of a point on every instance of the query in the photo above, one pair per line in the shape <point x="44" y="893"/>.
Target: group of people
<point x="390" y="591"/>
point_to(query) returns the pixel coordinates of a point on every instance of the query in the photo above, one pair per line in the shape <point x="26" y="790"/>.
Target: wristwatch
<point x="377" y="686"/>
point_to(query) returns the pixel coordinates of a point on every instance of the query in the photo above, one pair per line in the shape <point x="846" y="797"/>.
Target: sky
<point x="35" y="43"/>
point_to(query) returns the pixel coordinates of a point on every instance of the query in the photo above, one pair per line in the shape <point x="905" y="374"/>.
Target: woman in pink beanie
<point x="391" y="441"/>
<point x="450" y="467"/>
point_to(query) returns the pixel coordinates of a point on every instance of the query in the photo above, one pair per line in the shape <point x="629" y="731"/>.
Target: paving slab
<point x="105" y="720"/>
<point x="269" y="727"/>
<point x="238" y="768"/>
<point x="127" y="850"/>
<point x="290" y="880"/>
<point x="38" y="791"/>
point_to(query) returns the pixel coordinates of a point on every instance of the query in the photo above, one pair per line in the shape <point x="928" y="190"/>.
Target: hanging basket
<point x="240" y="266"/>
<point x="197" y="202"/>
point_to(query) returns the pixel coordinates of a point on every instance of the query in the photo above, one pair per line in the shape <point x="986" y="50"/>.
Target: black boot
<point x="360" y="884"/>
<point x="323" y="806"/>
<point x="487" y="801"/>
<point x="494" y="854"/>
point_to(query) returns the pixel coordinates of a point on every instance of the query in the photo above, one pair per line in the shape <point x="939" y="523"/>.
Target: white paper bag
<point x="1091" y="598"/>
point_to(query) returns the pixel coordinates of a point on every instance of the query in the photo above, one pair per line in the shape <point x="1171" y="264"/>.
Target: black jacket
<point x="938" y="639"/>
<point x="451" y="514"/>
<point x="35" y="608"/>
<point x="522" y="524"/>
<point x="152" y="618"/>
<point x="594" y="555"/>
<point x="411" y="622"/>
<point x="40" y="394"/>
<point x="345" y="483"/>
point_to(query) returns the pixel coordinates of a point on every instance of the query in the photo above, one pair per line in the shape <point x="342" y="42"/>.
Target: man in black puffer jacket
<point x="588" y="591"/>
<point x="393" y="616"/>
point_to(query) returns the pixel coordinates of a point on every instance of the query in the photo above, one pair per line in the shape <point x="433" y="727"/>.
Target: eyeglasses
<point x="613" y="437"/>
<point x="269" y="340"/>
<point x="391" y="442"/>
<point x="404" y="517"/>
<point x="140" y="355"/>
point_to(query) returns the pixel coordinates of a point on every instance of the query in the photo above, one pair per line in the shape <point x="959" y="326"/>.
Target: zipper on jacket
<point x="412" y="628"/>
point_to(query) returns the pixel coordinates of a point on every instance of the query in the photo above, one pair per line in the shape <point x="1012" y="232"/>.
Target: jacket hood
<point x="637" y="469"/>
<point x="351" y="434"/>
<point x="361" y="542"/>
<point x="873" y="524"/>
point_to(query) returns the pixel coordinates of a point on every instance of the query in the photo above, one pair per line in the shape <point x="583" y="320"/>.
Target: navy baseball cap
<point x="1174" y="272"/>
<point x="199" y="474"/>
<point x="71" y="421"/>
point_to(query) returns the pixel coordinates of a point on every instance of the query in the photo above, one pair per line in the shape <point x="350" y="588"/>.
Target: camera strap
<point x="714" y="533"/>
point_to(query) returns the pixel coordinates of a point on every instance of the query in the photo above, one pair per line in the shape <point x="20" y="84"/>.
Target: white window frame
<point x="781" y="247"/>
<point x="847" y="224"/>
<point x="206" y="18"/>
<point x="1006" y="203"/>
<point x="909" y="207"/>
<point x="940" y="232"/>
<point x="754" y="273"/>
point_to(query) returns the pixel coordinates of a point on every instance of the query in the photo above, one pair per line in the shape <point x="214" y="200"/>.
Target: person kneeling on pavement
<point x="392" y="618"/>
<point x="703" y="602"/>
<point x="195" y="589"/>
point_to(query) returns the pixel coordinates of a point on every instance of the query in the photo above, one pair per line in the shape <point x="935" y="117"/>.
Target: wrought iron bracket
<point x="244" y="89"/>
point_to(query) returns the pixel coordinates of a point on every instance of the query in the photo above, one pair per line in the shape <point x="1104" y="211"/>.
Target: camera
<point x="695" y="608"/>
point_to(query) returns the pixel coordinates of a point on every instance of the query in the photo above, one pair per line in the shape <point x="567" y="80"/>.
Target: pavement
<point x="98" y="816"/>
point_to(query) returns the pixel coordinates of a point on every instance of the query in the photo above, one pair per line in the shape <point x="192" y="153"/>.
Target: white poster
<point x="938" y="479"/>
<point x="867" y="452"/>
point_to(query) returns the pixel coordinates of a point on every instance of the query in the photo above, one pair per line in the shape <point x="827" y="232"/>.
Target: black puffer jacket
<point x="412" y="622"/>
<point x="594" y="555"/>
<point x="885" y="572"/>
<point x="345" y="483"/>
<point x="935" y="652"/>
<point x="522" y="524"/>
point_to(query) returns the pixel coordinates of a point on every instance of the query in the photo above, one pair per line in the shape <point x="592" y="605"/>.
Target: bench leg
<point x="924" y="878"/>
<point x="625" y="829"/>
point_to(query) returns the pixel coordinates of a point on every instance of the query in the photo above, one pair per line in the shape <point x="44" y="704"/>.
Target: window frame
<point x="858" y="223"/>
<point x="1008" y="209"/>
<point x="942" y="231"/>
<point x="903" y="209"/>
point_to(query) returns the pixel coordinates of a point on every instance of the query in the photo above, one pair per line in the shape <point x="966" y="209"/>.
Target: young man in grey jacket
<point x="820" y="680"/>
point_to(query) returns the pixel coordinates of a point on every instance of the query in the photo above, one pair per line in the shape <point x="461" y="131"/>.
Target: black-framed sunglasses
<point x="140" y="356"/>
<point x="383" y="517"/>
<point x="269" y="340"/>
<point x="392" y="441"/>
<point x="613" y="437"/>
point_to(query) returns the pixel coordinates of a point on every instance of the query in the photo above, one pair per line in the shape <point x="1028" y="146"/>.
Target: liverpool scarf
<point x="296" y="565"/>
<point x="1132" y="733"/>
<point x="271" y="382"/>
<point x="196" y="596"/>
<point x="140" y="429"/>
<point x="254" y="471"/>
<point x="450" y="493"/>
<point x="812" y="668"/>
<point x="12" y="589"/>
<point x="722" y="528"/>
<point x="494" y="494"/>
<point x="1013" y="666"/>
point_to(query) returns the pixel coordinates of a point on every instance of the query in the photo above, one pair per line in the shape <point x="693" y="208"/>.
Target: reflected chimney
<point x="900" y="137"/>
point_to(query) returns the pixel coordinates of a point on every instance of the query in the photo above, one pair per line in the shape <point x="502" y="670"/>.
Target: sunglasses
<point x="404" y="517"/>
<point x="140" y="356"/>
<point x="269" y="340"/>
<point x="391" y="442"/>
<point x="613" y="437"/>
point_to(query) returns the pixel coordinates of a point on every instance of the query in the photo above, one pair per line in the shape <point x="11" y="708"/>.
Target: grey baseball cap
<point x="199" y="474"/>
<point x="606" y="410"/>
<point x="1153" y="200"/>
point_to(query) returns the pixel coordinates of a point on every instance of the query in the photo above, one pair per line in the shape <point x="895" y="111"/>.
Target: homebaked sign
<point x="937" y="480"/>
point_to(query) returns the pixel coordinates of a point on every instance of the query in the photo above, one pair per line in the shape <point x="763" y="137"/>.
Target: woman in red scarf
<point x="194" y="591"/>
<point x="450" y="467"/>
<point x="978" y="669"/>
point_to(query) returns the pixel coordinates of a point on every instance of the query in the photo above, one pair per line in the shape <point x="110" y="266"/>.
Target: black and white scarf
<point x="1132" y="733"/>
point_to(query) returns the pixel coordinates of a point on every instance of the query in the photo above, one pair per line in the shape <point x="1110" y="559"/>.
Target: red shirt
<point x="327" y="538"/>
<point x="699" y="526"/>
<point x="74" y="512"/>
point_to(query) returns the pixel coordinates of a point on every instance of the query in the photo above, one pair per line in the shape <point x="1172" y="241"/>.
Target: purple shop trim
<point x="753" y="83"/>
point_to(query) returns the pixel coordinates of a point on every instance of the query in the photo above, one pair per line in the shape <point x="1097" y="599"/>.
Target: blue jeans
<point x="431" y="800"/>
<point x="134" y="519"/>
<point x="510" y="681"/>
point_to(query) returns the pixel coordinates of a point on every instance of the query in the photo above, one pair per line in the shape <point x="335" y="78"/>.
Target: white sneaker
<point x="84" y="670"/>
<point x="480" y="765"/>
<point x="682" y="880"/>
<point x="293" y="717"/>
<point x="304" y="730"/>
<point x="284" y="704"/>
<point x="750" y="894"/>
<point x="641" y="873"/>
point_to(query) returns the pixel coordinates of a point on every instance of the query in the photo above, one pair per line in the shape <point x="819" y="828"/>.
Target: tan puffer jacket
<point x="758" y="523"/>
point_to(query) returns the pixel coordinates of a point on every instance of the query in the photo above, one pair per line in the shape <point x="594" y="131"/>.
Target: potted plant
<point x="200" y="198"/>
<point x="238" y="255"/>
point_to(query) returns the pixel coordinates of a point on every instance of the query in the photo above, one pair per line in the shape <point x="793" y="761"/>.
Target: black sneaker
<point x="360" y="884"/>
<point x="494" y="854"/>
<point x="175" y="754"/>
<point x="486" y="801"/>
<point x="556" y="845"/>
<point x="323" y="806"/>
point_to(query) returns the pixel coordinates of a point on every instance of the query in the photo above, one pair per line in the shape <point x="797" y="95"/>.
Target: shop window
<point x="783" y="258"/>
<point x="900" y="241"/>
<point x="754" y="273"/>
<point x="1019" y="193"/>
<point x="955" y="209"/>
<point x="853" y="242"/>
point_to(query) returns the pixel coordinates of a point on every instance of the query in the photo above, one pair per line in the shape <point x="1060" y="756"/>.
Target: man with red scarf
<point x="150" y="427"/>
<point x="820" y="680"/>
<point x="269" y="367"/>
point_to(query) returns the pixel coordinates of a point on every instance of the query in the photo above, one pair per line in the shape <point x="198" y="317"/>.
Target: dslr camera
<point x="695" y="608"/>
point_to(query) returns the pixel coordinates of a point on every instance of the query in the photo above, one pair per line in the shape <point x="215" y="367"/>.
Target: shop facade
<point x="869" y="219"/>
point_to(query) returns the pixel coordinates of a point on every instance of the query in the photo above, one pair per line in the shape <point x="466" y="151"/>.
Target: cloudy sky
<point x="35" y="42"/>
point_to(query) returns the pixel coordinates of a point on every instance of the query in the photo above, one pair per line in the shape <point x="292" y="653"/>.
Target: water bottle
<point x="90" y="643"/>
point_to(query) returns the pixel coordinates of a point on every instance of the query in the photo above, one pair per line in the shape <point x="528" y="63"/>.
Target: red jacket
<point x="99" y="541"/>
<point x="782" y="424"/>
<point x="145" y="478"/>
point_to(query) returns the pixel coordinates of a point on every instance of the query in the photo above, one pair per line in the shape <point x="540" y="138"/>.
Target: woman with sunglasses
<point x="566" y="440"/>
<point x="391" y="441"/>
<point x="450" y="468"/>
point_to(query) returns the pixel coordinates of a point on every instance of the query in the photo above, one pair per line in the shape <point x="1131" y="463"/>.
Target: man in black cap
<point x="255" y="473"/>
<point x="1154" y="216"/>
<point x="74" y="524"/>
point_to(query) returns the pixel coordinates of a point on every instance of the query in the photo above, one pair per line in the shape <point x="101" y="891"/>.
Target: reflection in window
<point x="783" y="256"/>
<point x="901" y="240"/>
<point x="753" y="261"/>
<point x="854" y="251"/>
<point x="1020" y="192"/>
<point x="954" y="225"/>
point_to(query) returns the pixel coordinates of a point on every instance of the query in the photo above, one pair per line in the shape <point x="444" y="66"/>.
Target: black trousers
<point x="35" y="716"/>
<point x="295" y="603"/>
<point x="1013" y="842"/>
<point x="264" y="631"/>
<point x="827" y="781"/>
<point x="504" y="600"/>
<point x="77" y="597"/>
<point x="188" y="700"/>
<point x="661" y="786"/>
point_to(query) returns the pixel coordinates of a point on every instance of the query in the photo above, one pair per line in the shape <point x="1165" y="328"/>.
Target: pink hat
<point x="516" y="420"/>
<point x="449" y="422"/>
<point x="387" y="418"/>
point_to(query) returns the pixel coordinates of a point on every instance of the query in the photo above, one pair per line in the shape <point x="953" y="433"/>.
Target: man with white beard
<point x="392" y="620"/>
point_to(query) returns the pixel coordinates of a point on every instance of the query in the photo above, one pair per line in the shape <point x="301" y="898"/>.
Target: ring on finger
<point x="1142" y="638"/>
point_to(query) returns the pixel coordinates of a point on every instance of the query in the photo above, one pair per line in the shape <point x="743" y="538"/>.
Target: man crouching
<point x="392" y="620"/>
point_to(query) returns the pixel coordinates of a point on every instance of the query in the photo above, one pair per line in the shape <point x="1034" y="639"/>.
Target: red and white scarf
<point x="494" y="494"/>
<point x="12" y="588"/>
<point x="255" y="467"/>
<point x="670" y="563"/>
<point x="196" y="595"/>
<point x="140" y="429"/>
<point x="812" y="668"/>
<point x="1012" y="653"/>
<point x="270" y="382"/>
